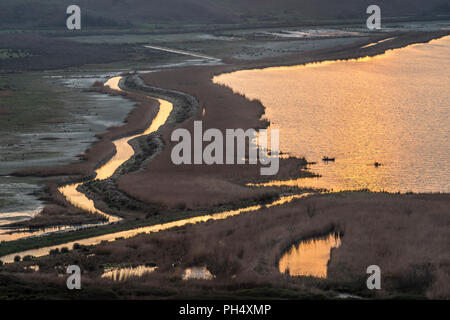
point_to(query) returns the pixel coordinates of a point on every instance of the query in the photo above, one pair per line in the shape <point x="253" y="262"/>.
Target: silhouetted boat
<point x="376" y="164"/>
<point x="326" y="159"/>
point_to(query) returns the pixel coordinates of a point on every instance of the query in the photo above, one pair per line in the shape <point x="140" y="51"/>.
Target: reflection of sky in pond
<point x="392" y="109"/>
<point x="310" y="257"/>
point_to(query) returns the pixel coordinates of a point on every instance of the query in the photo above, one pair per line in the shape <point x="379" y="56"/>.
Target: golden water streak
<point x="16" y="234"/>
<point x="79" y="200"/>
<point x="124" y="152"/>
<point x="378" y="42"/>
<point x="152" y="229"/>
<point x="305" y="183"/>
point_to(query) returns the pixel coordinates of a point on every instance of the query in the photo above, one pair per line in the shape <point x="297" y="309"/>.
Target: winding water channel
<point x="124" y="152"/>
<point x="151" y="229"/>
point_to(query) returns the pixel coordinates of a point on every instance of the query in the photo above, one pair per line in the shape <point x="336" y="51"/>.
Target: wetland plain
<point x="98" y="132"/>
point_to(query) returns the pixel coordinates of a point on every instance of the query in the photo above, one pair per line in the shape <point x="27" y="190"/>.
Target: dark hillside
<point x="125" y="13"/>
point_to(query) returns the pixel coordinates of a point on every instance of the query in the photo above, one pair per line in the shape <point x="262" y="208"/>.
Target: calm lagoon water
<point x="392" y="109"/>
<point x="309" y="257"/>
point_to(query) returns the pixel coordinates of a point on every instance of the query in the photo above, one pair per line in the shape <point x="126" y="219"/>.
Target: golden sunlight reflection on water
<point x="79" y="200"/>
<point x="122" y="274"/>
<point x="124" y="152"/>
<point x="392" y="109"/>
<point x="113" y="83"/>
<point x="151" y="229"/>
<point x="197" y="273"/>
<point x="310" y="257"/>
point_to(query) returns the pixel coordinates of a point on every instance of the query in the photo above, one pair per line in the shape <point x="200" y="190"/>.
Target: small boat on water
<point x="376" y="164"/>
<point x="326" y="159"/>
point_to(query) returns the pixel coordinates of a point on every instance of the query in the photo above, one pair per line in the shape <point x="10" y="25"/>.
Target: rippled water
<point x="392" y="109"/>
